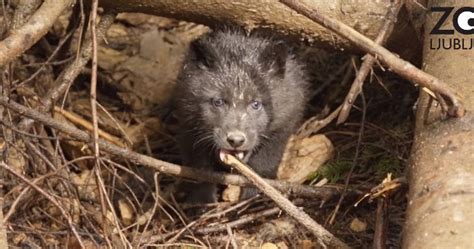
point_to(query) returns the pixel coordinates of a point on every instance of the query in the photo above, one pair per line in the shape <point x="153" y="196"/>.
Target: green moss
<point x="386" y="165"/>
<point x="333" y="171"/>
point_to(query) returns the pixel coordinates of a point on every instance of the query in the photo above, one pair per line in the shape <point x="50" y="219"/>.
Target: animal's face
<point x="233" y="109"/>
<point x="225" y="91"/>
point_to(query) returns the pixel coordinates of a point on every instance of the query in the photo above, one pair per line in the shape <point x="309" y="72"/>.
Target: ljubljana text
<point x="451" y="43"/>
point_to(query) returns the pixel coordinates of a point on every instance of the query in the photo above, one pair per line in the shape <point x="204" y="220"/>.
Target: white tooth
<point x="240" y="155"/>
<point x="221" y="155"/>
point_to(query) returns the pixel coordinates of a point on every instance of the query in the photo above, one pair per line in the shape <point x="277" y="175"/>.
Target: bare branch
<point x="35" y="28"/>
<point x="399" y="66"/>
<point x="49" y="197"/>
<point x="364" y="70"/>
<point x="324" y="236"/>
<point x="324" y="193"/>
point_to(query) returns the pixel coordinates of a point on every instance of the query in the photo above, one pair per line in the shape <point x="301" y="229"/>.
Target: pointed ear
<point x="200" y="52"/>
<point x="274" y="58"/>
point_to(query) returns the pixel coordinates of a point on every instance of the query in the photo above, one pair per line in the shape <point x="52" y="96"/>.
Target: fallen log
<point x="441" y="199"/>
<point x="366" y="17"/>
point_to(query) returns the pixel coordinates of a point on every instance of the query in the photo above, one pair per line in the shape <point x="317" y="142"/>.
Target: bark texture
<point x="365" y="16"/>
<point x="441" y="200"/>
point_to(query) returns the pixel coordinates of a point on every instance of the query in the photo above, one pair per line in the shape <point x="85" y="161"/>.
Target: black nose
<point x="235" y="139"/>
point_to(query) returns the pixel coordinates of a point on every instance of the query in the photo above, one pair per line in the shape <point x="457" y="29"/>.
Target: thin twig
<point x="399" y="66"/>
<point x="23" y="11"/>
<point x="36" y="27"/>
<point x="67" y="76"/>
<point x="325" y="238"/>
<point x="241" y="221"/>
<point x="43" y="64"/>
<point x="25" y="190"/>
<point x="232" y="237"/>
<point x="366" y="66"/>
<point x="354" y="161"/>
<point x="76" y="119"/>
<point x="50" y="198"/>
<point x="93" y="93"/>
<point x="95" y="129"/>
<point x="313" y="125"/>
<point x="3" y="230"/>
<point x="381" y="224"/>
<point x="3" y="227"/>
<point x="323" y="192"/>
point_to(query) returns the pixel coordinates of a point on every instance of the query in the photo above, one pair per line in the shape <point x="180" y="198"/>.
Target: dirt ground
<point x="138" y="66"/>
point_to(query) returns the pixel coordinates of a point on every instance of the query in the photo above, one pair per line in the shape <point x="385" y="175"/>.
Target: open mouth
<point x="240" y="154"/>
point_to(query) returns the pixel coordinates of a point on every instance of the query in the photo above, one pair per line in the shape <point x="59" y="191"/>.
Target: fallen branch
<point x="324" y="193"/>
<point x="366" y="66"/>
<point x="274" y="16"/>
<point x="325" y="238"/>
<point x="23" y="11"/>
<point x="49" y="197"/>
<point x="67" y="76"/>
<point x="381" y="224"/>
<point x="399" y="66"/>
<point x="239" y="222"/>
<point x="3" y="230"/>
<point x="313" y="125"/>
<point x="36" y="27"/>
<point x="76" y="119"/>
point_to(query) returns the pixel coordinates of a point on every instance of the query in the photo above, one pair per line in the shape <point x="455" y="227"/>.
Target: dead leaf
<point x="15" y="158"/>
<point x="86" y="185"/>
<point x="126" y="212"/>
<point x="358" y="225"/>
<point x="269" y="245"/>
<point x="306" y="244"/>
<point x="143" y="219"/>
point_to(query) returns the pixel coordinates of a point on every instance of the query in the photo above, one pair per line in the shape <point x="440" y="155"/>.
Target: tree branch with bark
<point x="34" y="29"/>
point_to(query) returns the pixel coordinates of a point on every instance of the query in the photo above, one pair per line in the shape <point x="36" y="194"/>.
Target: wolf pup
<point x="239" y="94"/>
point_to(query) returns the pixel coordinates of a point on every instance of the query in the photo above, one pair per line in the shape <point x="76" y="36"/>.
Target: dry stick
<point x="381" y="223"/>
<point x="47" y="62"/>
<point x="78" y="120"/>
<point x="354" y="161"/>
<point x="36" y="27"/>
<point x="324" y="237"/>
<point x="166" y="167"/>
<point x="232" y="237"/>
<point x="95" y="125"/>
<point x="24" y="10"/>
<point x="68" y="75"/>
<point x="3" y="230"/>
<point x="241" y="221"/>
<point x="50" y="198"/>
<point x="208" y="216"/>
<point x="399" y="66"/>
<point x="366" y="66"/>
<point x="13" y="206"/>
<point x="95" y="137"/>
<point x="313" y="125"/>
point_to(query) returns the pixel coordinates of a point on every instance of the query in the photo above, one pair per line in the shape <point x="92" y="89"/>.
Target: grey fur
<point x="225" y="76"/>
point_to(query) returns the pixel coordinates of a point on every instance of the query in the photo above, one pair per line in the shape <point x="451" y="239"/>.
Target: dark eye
<point x="256" y="105"/>
<point x="217" y="102"/>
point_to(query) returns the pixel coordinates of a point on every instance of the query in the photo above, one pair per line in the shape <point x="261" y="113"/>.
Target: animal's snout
<point x="236" y="138"/>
